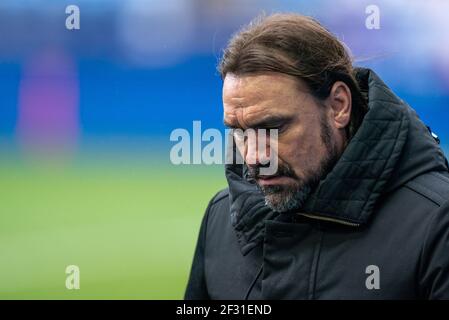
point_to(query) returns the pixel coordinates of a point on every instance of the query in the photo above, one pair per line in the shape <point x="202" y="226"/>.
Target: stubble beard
<point x="292" y="196"/>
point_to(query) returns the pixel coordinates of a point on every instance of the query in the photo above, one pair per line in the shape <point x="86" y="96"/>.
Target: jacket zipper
<point x="314" y="216"/>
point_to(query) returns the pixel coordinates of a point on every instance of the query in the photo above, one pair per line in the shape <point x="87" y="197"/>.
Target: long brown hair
<point x="299" y="46"/>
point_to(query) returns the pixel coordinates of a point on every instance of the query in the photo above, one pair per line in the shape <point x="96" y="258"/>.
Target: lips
<point x="272" y="180"/>
<point x="268" y="177"/>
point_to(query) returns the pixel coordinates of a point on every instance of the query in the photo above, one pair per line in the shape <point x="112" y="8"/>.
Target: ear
<point x="340" y="102"/>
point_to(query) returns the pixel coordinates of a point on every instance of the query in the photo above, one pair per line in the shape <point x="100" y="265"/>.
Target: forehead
<point x="253" y="87"/>
<point x="258" y="95"/>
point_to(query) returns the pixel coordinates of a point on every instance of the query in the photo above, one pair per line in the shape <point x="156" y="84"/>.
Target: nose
<point x="257" y="149"/>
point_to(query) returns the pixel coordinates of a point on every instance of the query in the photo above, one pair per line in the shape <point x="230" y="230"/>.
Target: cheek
<point x="301" y="150"/>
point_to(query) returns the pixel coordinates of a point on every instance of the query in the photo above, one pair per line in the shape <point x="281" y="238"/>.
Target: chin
<point x="286" y="199"/>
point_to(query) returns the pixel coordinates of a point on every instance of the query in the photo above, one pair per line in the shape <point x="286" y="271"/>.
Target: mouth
<point x="272" y="180"/>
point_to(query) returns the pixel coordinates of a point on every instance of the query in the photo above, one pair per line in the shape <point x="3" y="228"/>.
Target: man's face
<point x="306" y="146"/>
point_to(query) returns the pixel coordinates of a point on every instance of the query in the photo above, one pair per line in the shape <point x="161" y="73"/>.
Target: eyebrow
<point x="267" y="122"/>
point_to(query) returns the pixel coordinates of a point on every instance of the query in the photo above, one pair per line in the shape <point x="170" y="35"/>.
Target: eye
<point x="279" y="129"/>
<point x="280" y="126"/>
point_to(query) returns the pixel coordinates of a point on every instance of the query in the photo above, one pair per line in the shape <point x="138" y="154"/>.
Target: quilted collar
<point x="377" y="160"/>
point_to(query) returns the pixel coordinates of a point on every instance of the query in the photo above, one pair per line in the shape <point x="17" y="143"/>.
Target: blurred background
<point x="86" y="116"/>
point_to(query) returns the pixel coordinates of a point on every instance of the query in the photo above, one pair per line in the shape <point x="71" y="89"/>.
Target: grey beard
<point x="284" y="199"/>
<point x="293" y="197"/>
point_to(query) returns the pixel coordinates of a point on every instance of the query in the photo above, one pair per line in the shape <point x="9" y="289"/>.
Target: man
<point x="358" y="208"/>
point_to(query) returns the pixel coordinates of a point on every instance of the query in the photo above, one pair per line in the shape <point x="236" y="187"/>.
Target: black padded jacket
<point x="377" y="227"/>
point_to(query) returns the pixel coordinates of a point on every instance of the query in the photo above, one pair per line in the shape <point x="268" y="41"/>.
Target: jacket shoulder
<point x="219" y="196"/>
<point x="218" y="203"/>
<point x="433" y="186"/>
<point x="218" y="209"/>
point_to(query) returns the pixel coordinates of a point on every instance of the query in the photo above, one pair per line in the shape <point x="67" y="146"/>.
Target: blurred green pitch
<point x="131" y="228"/>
